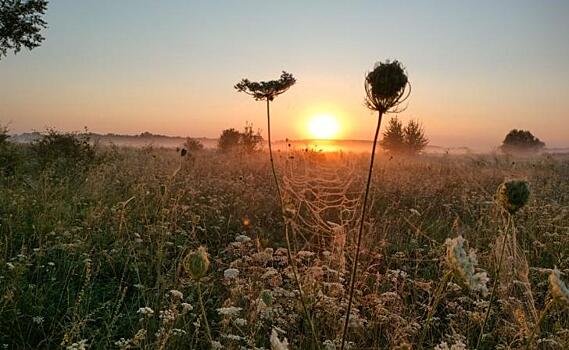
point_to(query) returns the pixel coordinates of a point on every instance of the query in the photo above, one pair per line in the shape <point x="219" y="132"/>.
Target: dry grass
<point x="82" y="253"/>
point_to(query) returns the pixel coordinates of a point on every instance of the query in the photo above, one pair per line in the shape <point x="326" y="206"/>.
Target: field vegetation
<point x="110" y="247"/>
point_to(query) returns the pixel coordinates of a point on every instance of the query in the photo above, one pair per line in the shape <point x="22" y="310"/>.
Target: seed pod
<point x="197" y="263"/>
<point x="513" y="195"/>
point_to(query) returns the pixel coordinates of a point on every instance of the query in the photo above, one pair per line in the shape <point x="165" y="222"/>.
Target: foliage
<point x="415" y="139"/>
<point x="193" y="145"/>
<point x="266" y="90"/>
<point x="20" y="24"/>
<point x="386" y="87"/>
<point x="393" y="136"/>
<point x="8" y="156"/>
<point x="251" y="141"/>
<point x="247" y="141"/>
<point x="63" y="150"/>
<point x="410" y="139"/>
<point x="229" y="140"/>
<point x="103" y="260"/>
<point x="521" y="141"/>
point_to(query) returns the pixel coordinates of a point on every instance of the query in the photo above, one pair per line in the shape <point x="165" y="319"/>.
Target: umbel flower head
<point x="558" y="288"/>
<point x="197" y="263"/>
<point x="386" y="86"/>
<point x="463" y="265"/>
<point x="513" y="194"/>
<point x="266" y="90"/>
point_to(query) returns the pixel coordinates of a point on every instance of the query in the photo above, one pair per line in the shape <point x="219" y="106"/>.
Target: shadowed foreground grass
<point x="91" y="254"/>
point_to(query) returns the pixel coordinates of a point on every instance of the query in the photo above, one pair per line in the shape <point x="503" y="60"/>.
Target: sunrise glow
<point x="323" y="126"/>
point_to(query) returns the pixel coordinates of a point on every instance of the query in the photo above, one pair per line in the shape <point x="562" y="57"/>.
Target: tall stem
<point x="288" y="244"/>
<point x="204" y="315"/>
<point x="438" y="296"/>
<point x="537" y="326"/>
<point x="360" y="233"/>
<point x="495" y="284"/>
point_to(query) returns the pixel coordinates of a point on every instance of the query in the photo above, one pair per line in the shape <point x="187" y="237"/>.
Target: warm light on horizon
<point x="323" y="126"/>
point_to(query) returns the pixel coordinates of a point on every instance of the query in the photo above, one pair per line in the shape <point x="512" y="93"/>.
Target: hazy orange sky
<point x="478" y="69"/>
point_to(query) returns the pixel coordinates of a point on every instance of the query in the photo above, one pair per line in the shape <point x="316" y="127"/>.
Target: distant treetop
<point x="521" y="141"/>
<point x="266" y="90"/>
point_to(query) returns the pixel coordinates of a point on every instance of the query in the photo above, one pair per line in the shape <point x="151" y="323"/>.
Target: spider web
<point x="324" y="192"/>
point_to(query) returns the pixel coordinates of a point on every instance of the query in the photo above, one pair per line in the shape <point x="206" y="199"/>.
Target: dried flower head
<point x="266" y="90"/>
<point x="558" y="288"/>
<point x="276" y="343"/>
<point x="197" y="263"/>
<point x="386" y="86"/>
<point x="513" y="194"/>
<point x="464" y="265"/>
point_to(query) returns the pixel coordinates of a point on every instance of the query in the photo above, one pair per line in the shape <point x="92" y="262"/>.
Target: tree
<point x="521" y="141"/>
<point x="20" y="24"/>
<point x="192" y="145"/>
<point x="229" y="140"/>
<point x="251" y="141"/>
<point x="393" y="137"/>
<point x="414" y="138"/>
<point x="387" y="88"/>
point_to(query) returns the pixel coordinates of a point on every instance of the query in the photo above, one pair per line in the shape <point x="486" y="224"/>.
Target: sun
<point x="323" y="126"/>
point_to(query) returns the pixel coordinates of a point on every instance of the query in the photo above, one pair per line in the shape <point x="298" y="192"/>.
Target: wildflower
<point x="10" y="266"/>
<point x="176" y="294"/>
<point x="513" y="195"/>
<point x="463" y="265"/>
<point x="242" y="238"/>
<point x="81" y="345"/>
<point x="216" y="345"/>
<point x="241" y="322"/>
<point x="230" y="273"/>
<point x="197" y="263"/>
<point x="186" y="308"/>
<point x="37" y="320"/>
<point x="276" y="343"/>
<point x="229" y="311"/>
<point x="558" y="288"/>
<point x="145" y="311"/>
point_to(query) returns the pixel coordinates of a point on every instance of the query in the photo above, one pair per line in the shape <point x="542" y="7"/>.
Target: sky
<point x="477" y="68"/>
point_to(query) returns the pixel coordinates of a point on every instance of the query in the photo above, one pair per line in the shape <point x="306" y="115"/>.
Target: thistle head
<point x="266" y="90"/>
<point x="386" y="86"/>
<point x="558" y="288"/>
<point x="513" y="195"/>
<point x="197" y="263"/>
<point x="463" y="265"/>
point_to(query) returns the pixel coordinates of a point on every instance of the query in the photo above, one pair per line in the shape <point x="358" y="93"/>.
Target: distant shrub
<point x="415" y="139"/>
<point x="192" y="145"/>
<point x="8" y="157"/>
<point x="521" y="141"/>
<point x="247" y="141"/>
<point x="64" y="150"/>
<point x="393" y="136"/>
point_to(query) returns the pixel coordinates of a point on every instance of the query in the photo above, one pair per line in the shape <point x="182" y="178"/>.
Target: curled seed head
<point x="513" y="195"/>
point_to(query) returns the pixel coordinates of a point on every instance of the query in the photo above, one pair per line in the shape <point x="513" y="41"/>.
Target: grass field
<point x="97" y="253"/>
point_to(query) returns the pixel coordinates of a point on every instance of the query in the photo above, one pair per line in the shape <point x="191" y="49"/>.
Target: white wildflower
<point x="145" y="311"/>
<point x="10" y="266"/>
<point x="176" y="294"/>
<point x="464" y="265"/>
<point x="37" y="319"/>
<point x="216" y="345"/>
<point x="186" y="308"/>
<point x="276" y="343"/>
<point x="230" y="273"/>
<point x="241" y="322"/>
<point x="242" y="238"/>
<point x="81" y="345"/>
<point x="229" y="311"/>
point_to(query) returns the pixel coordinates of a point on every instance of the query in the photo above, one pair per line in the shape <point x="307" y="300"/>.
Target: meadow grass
<point x="92" y="254"/>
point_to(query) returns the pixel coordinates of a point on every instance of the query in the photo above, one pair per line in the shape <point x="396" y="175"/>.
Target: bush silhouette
<point x="63" y="151"/>
<point x="415" y="139"/>
<point x="521" y="141"/>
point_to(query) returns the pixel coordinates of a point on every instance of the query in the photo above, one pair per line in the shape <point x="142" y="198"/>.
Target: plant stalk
<point x="360" y="233"/>
<point x="431" y="313"/>
<point x="208" y="332"/>
<point x="288" y="244"/>
<point x="495" y="284"/>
